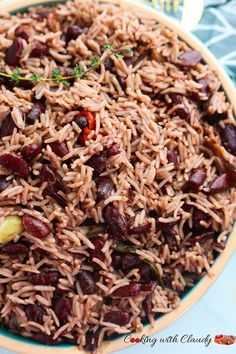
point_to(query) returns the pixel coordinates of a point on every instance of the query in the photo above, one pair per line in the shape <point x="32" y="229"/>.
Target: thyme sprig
<point x="79" y="71"/>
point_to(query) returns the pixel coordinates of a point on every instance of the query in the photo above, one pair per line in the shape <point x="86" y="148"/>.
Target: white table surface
<point x="214" y="314"/>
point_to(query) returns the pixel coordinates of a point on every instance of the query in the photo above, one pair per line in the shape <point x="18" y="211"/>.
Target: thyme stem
<point x="77" y="72"/>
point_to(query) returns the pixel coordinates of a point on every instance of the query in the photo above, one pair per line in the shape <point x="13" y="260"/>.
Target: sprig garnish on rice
<point x="79" y="71"/>
<point x="16" y="74"/>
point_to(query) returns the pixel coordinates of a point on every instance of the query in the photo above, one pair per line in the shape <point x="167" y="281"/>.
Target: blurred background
<point x="215" y="313"/>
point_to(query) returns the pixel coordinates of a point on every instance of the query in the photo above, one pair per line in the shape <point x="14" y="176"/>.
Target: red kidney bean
<point x="60" y="149"/>
<point x="196" y="179"/>
<point x="131" y="61"/>
<point x="167" y="281"/>
<point x="122" y="82"/>
<point x="34" y="113"/>
<point x="170" y="239"/>
<point x="63" y="37"/>
<point x="198" y="216"/>
<point x="14" y="52"/>
<point x="172" y="158"/>
<point x="91" y="344"/>
<point x="148" y="286"/>
<point x="38" y="50"/>
<point x="81" y="121"/>
<point x="73" y="32"/>
<point x="130" y="260"/>
<point x="205" y="87"/>
<point x="147" y="304"/>
<point x="51" y="191"/>
<point x="66" y="71"/>
<point x="121" y="318"/>
<point x="42" y="15"/>
<point x="140" y="229"/>
<point x="190" y="58"/>
<point x="62" y="309"/>
<point x="202" y="238"/>
<point x="176" y="98"/>
<point x="14" y="249"/>
<point x="3" y="81"/>
<point x="50" y="175"/>
<point x="115" y="222"/>
<point x="15" y="163"/>
<point x="58" y="294"/>
<point x="26" y="85"/>
<point x="221" y="245"/>
<point x="215" y="118"/>
<point x="130" y="290"/>
<point x="195" y="96"/>
<point x="220" y="184"/>
<point x="86" y="282"/>
<point x="108" y="63"/>
<point x="13" y="322"/>
<point x="44" y="278"/>
<point x="35" y="313"/>
<point x="116" y="259"/>
<point x="166" y="226"/>
<point x="146" y="272"/>
<point x="228" y="135"/>
<point x="98" y="243"/>
<point x="231" y="171"/>
<point x="46" y="339"/>
<point x="30" y="151"/>
<point x="4" y="183"/>
<point x="98" y="163"/>
<point x="113" y="150"/>
<point x="183" y="113"/>
<point x="105" y="186"/>
<point x="7" y="126"/>
<point x="23" y="31"/>
<point x="153" y="214"/>
<point x="35" y="226"/>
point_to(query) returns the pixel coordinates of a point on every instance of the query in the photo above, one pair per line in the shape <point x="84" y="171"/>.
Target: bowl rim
<point x="15" y="343"/>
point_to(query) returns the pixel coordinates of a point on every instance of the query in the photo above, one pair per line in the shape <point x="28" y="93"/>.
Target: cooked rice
<point x="138" y="119"/>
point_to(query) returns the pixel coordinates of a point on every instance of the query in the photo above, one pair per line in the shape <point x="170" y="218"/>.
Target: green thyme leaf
<point x="91" y="235"/>
<point x="108" y="46"/>
<point x="124" y="248"/>
<point x="15" y="75"/>
<point x="155" y="270"/>
<point x="66" y="82"/>
<point x="119" y="56"/>
<point x="129" y="51"/>
<point x="78" y="71"/>
<point x="94" y="62"/>
<point x="36" y="78"/>
<point x="56" y="74"/>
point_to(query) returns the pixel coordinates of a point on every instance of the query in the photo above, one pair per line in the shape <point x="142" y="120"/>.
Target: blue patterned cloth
<point x="217" y="30"/>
